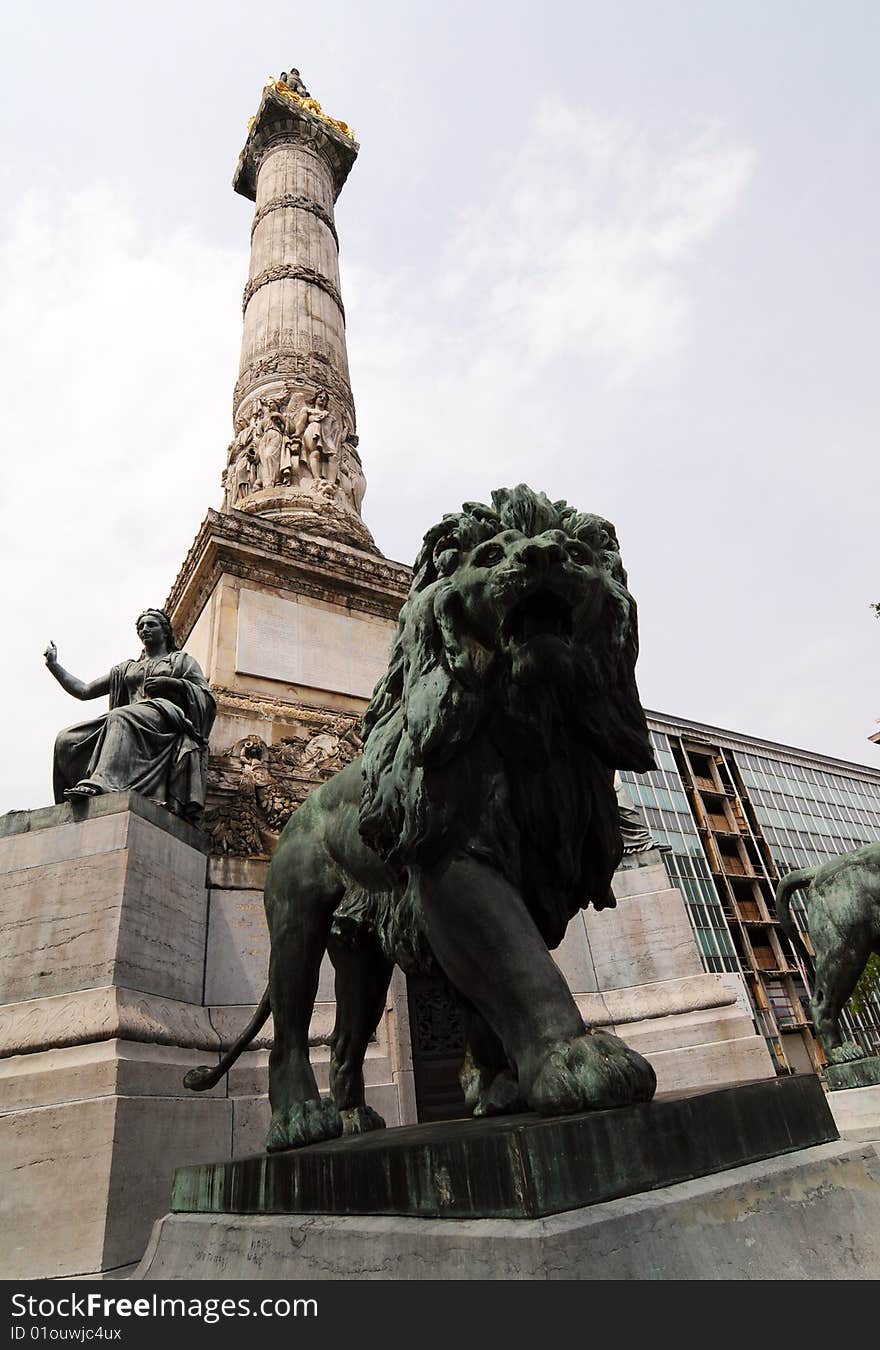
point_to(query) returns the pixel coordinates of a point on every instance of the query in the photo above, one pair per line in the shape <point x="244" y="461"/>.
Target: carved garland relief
<point x="292" y="272"/>
<point x="299" y="360"/>
<point x="254" y="788"/>
<point x="300" y="203"/>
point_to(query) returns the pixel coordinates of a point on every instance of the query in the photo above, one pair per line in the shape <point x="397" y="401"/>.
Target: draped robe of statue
<point x="149" y="745"/>
<point x="637" y="838"/>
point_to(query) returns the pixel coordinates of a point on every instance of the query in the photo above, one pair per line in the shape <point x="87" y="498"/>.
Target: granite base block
<point x="519" y="1166"/>
<point x="856" y="1112"/>
<point x="811" y="1215"/>
<point x="83" y="1181"/>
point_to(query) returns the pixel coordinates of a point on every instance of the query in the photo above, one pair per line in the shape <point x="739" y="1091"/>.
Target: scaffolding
<point x="745" y="877"/>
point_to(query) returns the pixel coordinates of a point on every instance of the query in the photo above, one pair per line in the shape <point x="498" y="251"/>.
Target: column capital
<point x="284" y="115"/>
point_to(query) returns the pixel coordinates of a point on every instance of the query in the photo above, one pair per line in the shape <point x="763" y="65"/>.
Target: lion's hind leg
<point x="840" y="962"/>
<point x="301" y="895"/>
<point x="487" y="1078"/>
<point x="363" y="974"/>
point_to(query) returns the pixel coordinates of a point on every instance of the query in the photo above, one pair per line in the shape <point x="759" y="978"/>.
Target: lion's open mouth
<point x="541" y="614"/>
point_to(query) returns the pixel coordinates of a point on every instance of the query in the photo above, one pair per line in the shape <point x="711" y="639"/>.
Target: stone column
<point x="294" y="455"/>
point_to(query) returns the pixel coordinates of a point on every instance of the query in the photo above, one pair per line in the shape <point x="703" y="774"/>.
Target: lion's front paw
<point x="305" y="1123"/>
<point x="591" y="1073"/>
<point x="360" y="1120"/>
<point x="846" y="1052"/>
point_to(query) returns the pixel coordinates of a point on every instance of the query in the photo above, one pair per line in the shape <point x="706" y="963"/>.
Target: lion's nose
<point x="541" y="555"/>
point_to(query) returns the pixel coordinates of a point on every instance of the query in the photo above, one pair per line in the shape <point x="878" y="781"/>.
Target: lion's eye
<point x="579" y="553"/>
<point x="488" y="556"/>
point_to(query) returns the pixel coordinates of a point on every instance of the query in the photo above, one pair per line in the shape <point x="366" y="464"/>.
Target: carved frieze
<point x="275" y="554"/>
<point x="294" y="438"/>
<point x="296" y="361"/>
<point x="254" y="788"/>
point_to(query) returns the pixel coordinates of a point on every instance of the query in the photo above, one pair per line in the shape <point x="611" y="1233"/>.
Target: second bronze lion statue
<point x="480" y="818"/>
<point x="842" y="901"/>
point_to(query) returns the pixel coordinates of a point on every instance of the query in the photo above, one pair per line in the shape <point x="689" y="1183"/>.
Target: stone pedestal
<point x="643" y="1192"/>
<point x="104" y="908"/>
<point x="131" y="957"/>
<point x="636" y="970"/>
<point x="126" y="963"/>
<point x="810" y="1215"/>
<point x="854" y="1097"/>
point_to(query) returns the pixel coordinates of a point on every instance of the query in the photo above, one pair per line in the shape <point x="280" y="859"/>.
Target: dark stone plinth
<point x="519" y="1166"/>
<point x="854" y="1073"/>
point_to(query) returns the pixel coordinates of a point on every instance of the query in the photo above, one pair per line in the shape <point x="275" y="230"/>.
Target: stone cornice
<point x="278" y="120"/>
<point x="248" y="702"/>
<point x="105" y="804"/>
<point x="272" y="555"/>
<point x="103" y="1014"/>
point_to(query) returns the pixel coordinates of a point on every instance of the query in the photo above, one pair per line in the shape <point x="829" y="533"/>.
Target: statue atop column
<point x="292" y="79"/>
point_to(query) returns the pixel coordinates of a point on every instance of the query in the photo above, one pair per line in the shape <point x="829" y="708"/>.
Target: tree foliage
<point x="868" y="986"/>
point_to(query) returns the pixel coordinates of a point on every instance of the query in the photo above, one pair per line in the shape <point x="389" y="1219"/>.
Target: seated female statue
<point x="154" y="739"/>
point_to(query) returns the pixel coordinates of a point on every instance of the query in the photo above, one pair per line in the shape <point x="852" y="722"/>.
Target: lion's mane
<point x="458" y="757"/>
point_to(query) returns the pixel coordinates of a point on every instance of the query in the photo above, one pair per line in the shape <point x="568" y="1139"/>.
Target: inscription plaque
<point x="304" y="644"/>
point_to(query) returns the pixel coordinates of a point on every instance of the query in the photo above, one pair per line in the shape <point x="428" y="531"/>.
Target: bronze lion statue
<point x="843" y="917"/>
<point x="479" y="819"/>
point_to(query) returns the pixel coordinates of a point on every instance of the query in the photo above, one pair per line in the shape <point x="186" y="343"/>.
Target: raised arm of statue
<point x="81" y="689"/>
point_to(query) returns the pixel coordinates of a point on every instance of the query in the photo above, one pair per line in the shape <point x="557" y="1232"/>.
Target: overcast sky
<point x="624" y="252"/>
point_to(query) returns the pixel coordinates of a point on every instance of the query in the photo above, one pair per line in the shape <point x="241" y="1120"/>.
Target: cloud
<point x="569" y="270"/>
<point x="119" y="361"/>
<point x="584" y="238"/>
<point x="572" y="271"/>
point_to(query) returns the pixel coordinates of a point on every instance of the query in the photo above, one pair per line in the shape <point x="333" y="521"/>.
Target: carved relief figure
<point x="269" y="442"/>
<point x="314" y="429"/>
<point x="326" y="753"/>
<point x="352" y="481"/>
<point x="154" y="739"/>
<point x="294" y="439"/>
<point x="241" y="466"/>
<point x="291" y="470"/>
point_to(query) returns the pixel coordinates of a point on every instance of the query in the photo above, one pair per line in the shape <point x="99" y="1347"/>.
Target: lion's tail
<point x="793" y="881"/>
<point x="206" y="1076"/>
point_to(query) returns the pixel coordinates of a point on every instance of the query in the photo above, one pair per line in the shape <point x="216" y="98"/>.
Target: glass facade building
<point x="736" y="814"/>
